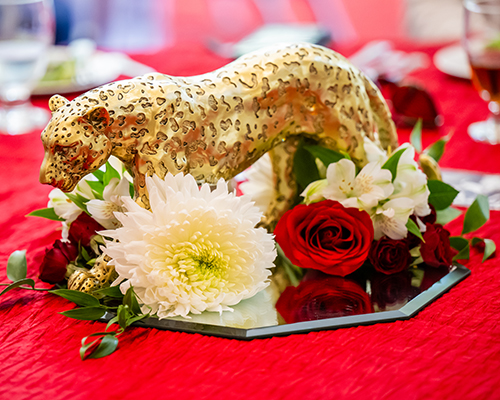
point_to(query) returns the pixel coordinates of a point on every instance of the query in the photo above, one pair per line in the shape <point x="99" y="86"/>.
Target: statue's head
<point x="75" y="142"/>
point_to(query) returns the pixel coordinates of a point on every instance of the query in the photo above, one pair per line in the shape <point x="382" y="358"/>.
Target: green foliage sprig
<point x="91" y="307"/>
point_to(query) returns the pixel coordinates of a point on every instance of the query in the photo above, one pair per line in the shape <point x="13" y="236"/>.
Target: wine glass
<point x="26" y="32"/>
<point x="482" y="43"/>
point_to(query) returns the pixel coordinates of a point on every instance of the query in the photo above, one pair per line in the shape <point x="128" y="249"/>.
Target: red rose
<point x="328" y="297"/>
<point x="436" y="251"/>
<point x="326" y="236"/>
<point x="390" y="256"/>
<point x="53" y="267"/>
<point x="83" y="228"/>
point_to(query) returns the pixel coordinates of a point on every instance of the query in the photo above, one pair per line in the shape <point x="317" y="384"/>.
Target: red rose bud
<point x="436" y="251"/>
<point x="326" y="236"/>
<point x="83" y="228"/>
<point x="390" y="256"/>
<point x="328" y="297"/>
<point x="53" y="267"/>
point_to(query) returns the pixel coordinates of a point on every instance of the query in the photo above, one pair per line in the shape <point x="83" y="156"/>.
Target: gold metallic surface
<point x="100" y="275"/>
<point x="217" y="124"/>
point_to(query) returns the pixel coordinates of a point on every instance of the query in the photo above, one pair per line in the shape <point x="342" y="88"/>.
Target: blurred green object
<point x="60" y="71"/>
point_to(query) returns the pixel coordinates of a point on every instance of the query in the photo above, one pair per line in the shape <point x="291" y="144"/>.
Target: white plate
<point x="100" y="68"/>
<point x="452" y="60"/>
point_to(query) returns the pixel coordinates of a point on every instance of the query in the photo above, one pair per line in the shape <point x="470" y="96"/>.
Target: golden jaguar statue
<point x="216" y="125"/>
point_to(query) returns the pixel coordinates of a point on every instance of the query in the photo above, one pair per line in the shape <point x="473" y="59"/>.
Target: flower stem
<point x="26" y="287"/>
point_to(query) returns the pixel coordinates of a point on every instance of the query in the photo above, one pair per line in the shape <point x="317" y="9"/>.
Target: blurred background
<point x="147" y="25"/>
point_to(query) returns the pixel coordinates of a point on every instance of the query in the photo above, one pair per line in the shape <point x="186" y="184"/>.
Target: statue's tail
<point x="387" y="133"/>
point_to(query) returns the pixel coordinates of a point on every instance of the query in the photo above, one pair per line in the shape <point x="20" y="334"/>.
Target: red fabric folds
<point x="449" y="350"/>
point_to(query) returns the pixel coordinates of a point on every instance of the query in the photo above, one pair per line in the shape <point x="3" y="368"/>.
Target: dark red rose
<point x="53" y="267"/>
<point x="390" y="256"/>
<point x="431" y="218"/>
<point x="83" y="228"/>
<point x="326" y="236"/>
<point x="328" y="297"/>
<point x="436" y="251"/>
<point x="392" y="291"/>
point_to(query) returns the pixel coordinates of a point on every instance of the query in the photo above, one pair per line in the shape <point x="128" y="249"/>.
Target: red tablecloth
<point x="449" y="350"/>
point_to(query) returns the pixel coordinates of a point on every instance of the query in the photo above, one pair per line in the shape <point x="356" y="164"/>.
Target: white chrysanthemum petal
<point x="260" y="182"/>
<point x="196" y="250"/>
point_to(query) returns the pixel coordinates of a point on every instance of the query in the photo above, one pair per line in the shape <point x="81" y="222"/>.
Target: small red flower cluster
<point x="56" y="259"/>
<point x="329" y="237"/>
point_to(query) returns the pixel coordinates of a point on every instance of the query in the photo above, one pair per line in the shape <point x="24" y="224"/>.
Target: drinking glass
<point x="26" y="32"/>
<point x="482" y="43"/>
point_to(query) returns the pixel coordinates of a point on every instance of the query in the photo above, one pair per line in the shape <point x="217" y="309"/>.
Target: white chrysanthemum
<point x="260" y="183"/>
<point x="196" y="250"/>
<point x="361" y="191"/>
<point x="103" y="210"/>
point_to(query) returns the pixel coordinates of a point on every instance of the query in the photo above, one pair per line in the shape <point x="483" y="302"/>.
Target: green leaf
<point x="489" y="248"/>
<point x="130" y="321"/>
<point x="462" y="245"/>
<point x="123" y="316"/>
<point x="97" y="187"/>
<point x="79" y="298"/>
<point x="48" y="213"/>
<point x="79" y="200"/>
<point x="17" y="284"/>
<point x="112" y="321"/>
<point x="113" y="291"/>
<point x="326" y="156"/>
<point x="436" y="150"/>
<point x="413" y="228"/>
<point x="392" y="163"/>
<point x="304" y="167"/>
<point x="108" y="345"/>
<point x="130" y="300"/>
<point x="16" y="266"/>
<point x="458" y="242"/>
<point x="416" y="136"/>
<point x="447" y="215"/>
<point x="100" y="337"/>
<point x="131" y="190"/>
<point x="442" y="194"/>
<point x="99" y="175"/>
<point x="110" y="174"/>
<point x="84" y="254"/>
<point x="85" y="313"/>
<point x="477" y="214"/>
<point x="463" y="254"/>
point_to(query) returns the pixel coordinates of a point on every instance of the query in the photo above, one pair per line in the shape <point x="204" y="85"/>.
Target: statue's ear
<point x="98" y="117"/>
<point x="56" y="102"/>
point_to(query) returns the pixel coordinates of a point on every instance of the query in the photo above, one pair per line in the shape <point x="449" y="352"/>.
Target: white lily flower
<point x="411" y="182"/>
<point x="103" y="210"/>
<point x="390" y="218"/>
<point x="373" y="152"/>
<point x="364" y="191"/>
<point x="314" y="191"/>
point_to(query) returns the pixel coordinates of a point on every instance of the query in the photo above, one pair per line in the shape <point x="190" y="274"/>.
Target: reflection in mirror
<point x="320" y="296"/>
